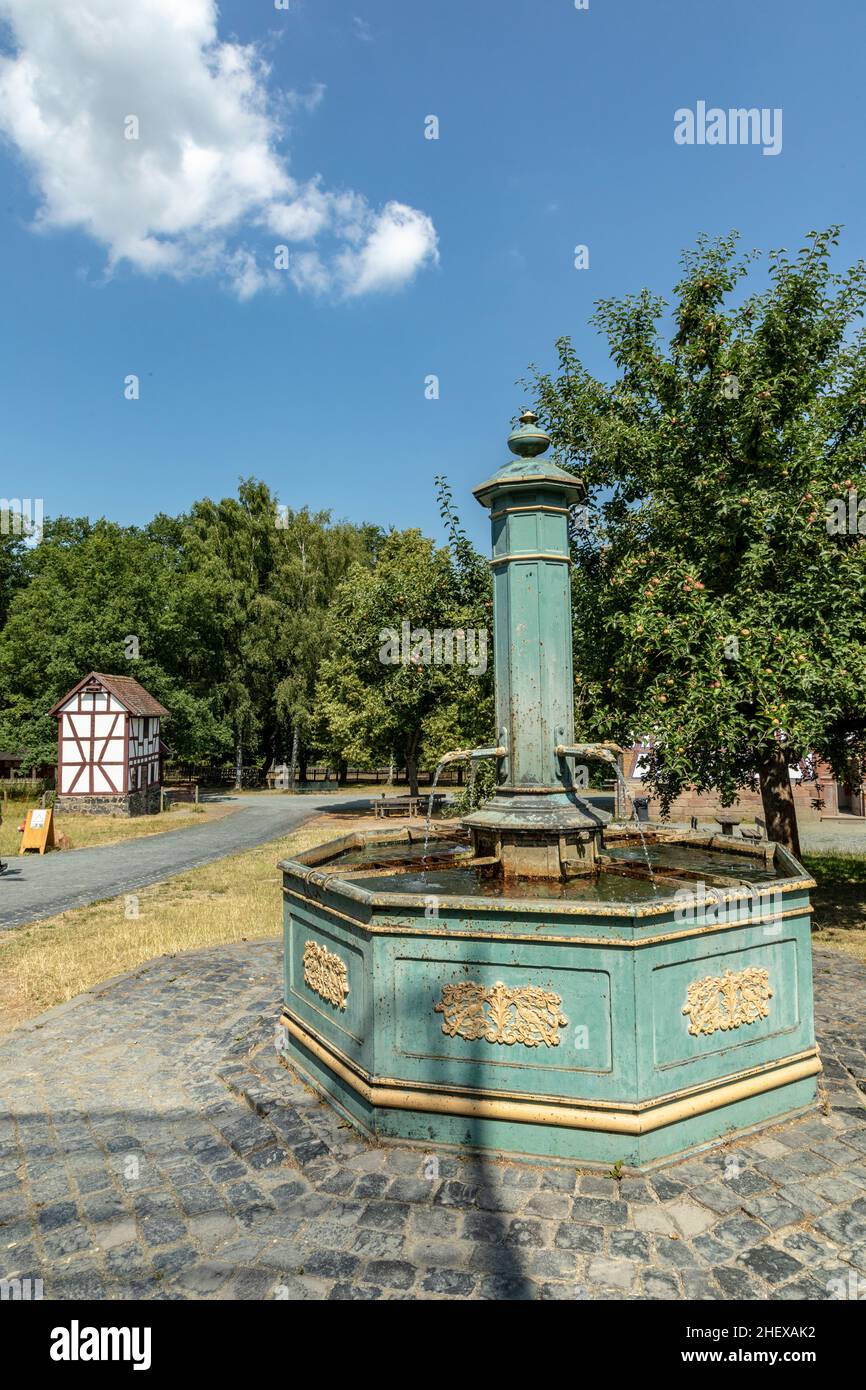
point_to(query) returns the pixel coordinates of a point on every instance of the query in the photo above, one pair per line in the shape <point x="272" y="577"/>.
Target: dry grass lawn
<point x="839" y="902"/>
<point x="82" y="831"/>
<point x="850" y="943"/>
<point x="233" y="899"/>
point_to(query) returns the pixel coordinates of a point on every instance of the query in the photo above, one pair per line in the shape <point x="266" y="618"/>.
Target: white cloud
<point x="308" y="272"/>
<point x="245" y="275"/>
<point x="303" y="217"/>
<point x="307" y="101"/>
<point x="399" y="239"/>
<point x="205" y="182"/>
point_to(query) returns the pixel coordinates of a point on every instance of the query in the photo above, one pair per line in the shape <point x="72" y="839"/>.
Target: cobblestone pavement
<point x="151" y="1146"/>
<point x="36" y="886"/>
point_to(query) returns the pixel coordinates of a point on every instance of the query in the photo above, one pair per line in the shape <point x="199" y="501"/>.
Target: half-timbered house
<point x="109" y="758"/>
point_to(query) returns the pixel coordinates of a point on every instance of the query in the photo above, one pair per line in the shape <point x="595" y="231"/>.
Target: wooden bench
<point x="408" y="805"/>
<point x="756" y="832"/>
<point x="396" y="806"/>
<point x="181" y="791"/>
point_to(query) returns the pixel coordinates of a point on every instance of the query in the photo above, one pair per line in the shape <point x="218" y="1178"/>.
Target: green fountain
<point x="541" y="981"/>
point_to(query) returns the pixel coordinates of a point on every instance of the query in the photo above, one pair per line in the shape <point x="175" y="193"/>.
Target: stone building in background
<point x="817" y="795"/>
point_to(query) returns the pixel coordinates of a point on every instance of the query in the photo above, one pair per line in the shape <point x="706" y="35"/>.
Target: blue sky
<point x="556" y="128"/>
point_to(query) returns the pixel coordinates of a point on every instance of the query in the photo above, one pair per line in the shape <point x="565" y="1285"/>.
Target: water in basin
<point x="402" y="853"/>
<point x="699" y="861"/>
<point x="472" y="882"/>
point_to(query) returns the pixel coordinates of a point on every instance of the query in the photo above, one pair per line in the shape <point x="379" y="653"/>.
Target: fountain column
<point x="537" y="825"/>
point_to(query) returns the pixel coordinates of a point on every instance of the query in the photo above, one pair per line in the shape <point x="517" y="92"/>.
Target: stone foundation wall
<point x="813" y="802"/>
<point x="142" y="802"/>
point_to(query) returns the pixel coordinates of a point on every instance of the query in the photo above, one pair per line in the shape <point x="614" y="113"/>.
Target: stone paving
<point x="152" y="1146"/>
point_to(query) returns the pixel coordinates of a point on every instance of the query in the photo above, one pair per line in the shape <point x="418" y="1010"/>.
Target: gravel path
<point x="37" y="886"/>
<point x="151" y="1146"/>
<point x="834" y="837"/>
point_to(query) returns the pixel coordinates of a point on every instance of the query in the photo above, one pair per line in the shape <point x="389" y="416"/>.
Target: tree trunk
<point x="296" y="748"/>
<point x="412" y="761"/>
<point x="342" y="773"/>
<point x="412" y="774"/>
<point x="777" y="796"/>
<point x="269" y="743"/>
<point x="239" y="763"/>
<point x="392" y="771"/>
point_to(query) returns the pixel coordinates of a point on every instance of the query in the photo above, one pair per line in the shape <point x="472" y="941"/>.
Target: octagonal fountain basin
<point x="637" y="1013"/>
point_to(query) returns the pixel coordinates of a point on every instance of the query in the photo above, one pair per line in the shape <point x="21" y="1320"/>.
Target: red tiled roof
<point x="131" y="695"/>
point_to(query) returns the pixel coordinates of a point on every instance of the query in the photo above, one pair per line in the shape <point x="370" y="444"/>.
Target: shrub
<point x="17" y="789"/>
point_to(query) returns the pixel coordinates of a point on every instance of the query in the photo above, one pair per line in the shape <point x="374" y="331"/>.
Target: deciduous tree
<point x="714" y="611"/>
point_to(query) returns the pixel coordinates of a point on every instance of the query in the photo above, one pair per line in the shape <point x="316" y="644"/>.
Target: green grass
<point x="833" y="869"/>
<point x="839" y="901"/>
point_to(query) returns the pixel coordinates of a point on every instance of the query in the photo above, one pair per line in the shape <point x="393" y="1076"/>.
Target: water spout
<point x="470" y="755"/>
<point x="627" y="790"/>
<point x="606" y="752"/>
<point x="449" y="757"/>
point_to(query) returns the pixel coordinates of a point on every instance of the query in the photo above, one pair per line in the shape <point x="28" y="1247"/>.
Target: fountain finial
<point x="528" y="441"/>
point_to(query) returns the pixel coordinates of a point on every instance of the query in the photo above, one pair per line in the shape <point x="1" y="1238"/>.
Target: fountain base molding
<point x="543" y="836"/>
<point x="593" y="1031"/>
